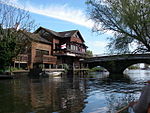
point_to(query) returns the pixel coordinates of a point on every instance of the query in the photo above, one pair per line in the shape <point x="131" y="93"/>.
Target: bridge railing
<point x="107" y="54"/>
<point x="120" y="57"/>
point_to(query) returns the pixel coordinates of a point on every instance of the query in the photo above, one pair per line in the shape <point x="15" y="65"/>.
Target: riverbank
<point x="6" y="76"/>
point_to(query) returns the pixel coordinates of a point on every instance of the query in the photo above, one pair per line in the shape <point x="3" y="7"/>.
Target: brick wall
<point x="39" y="46"/>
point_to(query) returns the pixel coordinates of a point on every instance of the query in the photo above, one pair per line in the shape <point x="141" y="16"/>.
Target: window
<point x="75" y="47"/>
<point x="41" y="52"/>
<point x="72" y="47"/>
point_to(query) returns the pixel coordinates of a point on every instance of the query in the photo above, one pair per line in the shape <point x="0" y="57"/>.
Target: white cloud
<point x="9" y="1"/>
<point x="62" y="12"/>
<point x="97" y="47"/>
<point x="98" y="43"/>
<point x="14" y="1"/>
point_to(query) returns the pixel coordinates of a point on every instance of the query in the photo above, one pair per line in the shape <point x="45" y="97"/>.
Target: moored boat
<point x="53" y="73"/>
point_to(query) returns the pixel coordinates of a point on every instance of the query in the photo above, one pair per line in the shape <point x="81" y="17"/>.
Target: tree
<point x="89" y="53"/>
<point x="129" y="20"/>
<point x="14" y="22"/>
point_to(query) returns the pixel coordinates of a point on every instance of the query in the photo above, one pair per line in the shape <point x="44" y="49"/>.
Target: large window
<point x="41" y="52"/>
<point x="75" y="47"/>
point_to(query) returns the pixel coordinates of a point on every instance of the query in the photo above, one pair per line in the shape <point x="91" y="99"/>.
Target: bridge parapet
<point x="117" y="63"/>
<point x="118" y="57"/>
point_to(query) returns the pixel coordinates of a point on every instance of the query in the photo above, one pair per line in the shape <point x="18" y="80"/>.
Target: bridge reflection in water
<point x="116" y="64"/>
<point x="80" y="94"/>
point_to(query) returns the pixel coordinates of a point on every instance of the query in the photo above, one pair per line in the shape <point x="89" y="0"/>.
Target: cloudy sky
<point x="62" y="15"/>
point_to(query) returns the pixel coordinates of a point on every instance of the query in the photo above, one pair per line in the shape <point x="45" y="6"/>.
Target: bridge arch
<point x="117" y="64"/>
<point x="130" y="64"/>
<point x="99" y="68"/>
<point x="117" y="67"/>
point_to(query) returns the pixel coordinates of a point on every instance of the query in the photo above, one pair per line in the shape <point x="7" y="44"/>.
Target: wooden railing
<point x="21" y="58"/>
<point x="69" y="52"/>
<point x="45" y="59"/>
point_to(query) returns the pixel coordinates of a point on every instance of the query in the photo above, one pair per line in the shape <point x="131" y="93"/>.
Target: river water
<point x="93" y="93"/>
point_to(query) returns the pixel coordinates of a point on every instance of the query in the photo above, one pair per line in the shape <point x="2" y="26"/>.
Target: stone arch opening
<point x="99" y="68"/>
<point x="135" y="66"/>
<point x="119" y="64"/>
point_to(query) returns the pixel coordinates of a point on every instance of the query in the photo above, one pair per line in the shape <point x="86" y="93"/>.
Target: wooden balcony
<point x="21" y="58"/>
<point x="45" y="59"/>
<point x="69" y="52"/>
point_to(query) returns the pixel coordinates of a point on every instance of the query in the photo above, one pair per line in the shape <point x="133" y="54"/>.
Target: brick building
<point x="52" y="49"/>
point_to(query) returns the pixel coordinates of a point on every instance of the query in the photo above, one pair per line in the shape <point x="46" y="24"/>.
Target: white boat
<point x="53" y="73"/>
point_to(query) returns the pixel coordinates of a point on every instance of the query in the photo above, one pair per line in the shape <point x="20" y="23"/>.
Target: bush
<point x="97" y="69"/>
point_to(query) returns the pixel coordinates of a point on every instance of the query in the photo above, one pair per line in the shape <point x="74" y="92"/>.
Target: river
<point x="93" y="93"/>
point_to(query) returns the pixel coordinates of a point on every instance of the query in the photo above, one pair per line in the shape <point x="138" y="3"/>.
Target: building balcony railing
<point x="69" y="52"/>
<point x="45" y="59"/>
<point x="21" y="58"/>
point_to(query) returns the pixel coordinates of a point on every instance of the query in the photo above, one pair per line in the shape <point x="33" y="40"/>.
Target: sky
<point x="65" y="15"/>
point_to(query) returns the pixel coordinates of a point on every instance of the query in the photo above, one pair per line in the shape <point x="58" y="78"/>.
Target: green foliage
<point x="12" y="39"/>
<point x="133" y="67"/>
<point x="8" y="47"/>
<point x="129" y="20"/>
<point x="89" y="53"/>
<point x="10" y="69"/>
<point x="11" y="44"/>
<point x="65" y="66"/>
<point x="97" y="69"/>
<point x="119" y="44"/>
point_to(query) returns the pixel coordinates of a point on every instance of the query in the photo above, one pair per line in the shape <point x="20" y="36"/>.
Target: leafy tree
<point x="14" y="22"/>
<point x="89" y="53"/>
<point x="129" y="20"/>
<point x="134" y="67"/>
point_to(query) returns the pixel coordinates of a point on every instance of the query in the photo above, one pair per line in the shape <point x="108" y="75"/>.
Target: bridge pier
<point x="114" y="68"/>
<point x="116" y="72"/>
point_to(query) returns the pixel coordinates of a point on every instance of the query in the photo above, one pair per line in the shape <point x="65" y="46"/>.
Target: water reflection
<point x="94" y="93"/>
<point x="57" y="95"/>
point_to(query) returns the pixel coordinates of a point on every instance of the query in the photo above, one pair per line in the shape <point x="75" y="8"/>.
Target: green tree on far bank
<point x="89" y="53"/>
<point x="128" y="20"/>
<point x="134" y="67"/>
<point x="13" y="22"/>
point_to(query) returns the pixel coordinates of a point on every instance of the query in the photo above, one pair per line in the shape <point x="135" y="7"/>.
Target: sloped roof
<point x="48" y="30"/>
<point x="64" y="34"/>
<point x="67" y="33"/>
<point x="31" y="36"/>
<point x="36" y="37"/>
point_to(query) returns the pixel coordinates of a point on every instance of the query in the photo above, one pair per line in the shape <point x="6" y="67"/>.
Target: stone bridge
<point x="116" y="64"/>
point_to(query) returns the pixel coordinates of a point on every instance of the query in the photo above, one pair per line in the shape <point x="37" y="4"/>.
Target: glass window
<point x="41" y="52"/>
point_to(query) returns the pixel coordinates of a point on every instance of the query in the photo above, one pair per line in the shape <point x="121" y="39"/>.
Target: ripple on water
<point x="97" y="93"/>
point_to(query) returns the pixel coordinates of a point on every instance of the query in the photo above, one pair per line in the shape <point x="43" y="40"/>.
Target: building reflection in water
<point x="67" y="95"/>
<point x="54" y="95"/>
